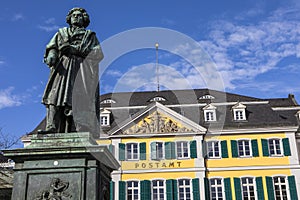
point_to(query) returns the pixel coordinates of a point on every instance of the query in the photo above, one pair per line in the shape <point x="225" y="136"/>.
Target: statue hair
<point x="86" y="17"/>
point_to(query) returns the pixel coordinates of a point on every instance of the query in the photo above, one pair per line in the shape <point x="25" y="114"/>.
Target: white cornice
<point x="286" y="108"/>
<point x="254" y="130"/>
<point x="193" y="105"/>
<point x="194" y="169"/>
<point x="253" y="168"/>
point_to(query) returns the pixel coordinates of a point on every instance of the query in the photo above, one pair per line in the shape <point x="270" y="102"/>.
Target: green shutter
<point x="259" y="188"/>
<point x="143" y="151"/>
<point x="286" y="147"/>
<point x="196" y="189"/>
<point x="111" y="148"/>
<point x="227" y="186"/>
<point x="234" y="149"/>
<point x="207" y="189"/>
<point x="121" y="151"/>
<point x="293" y="188"/>
<point x="193" y="148"/>
<point x="170" y="150"/>
<point x="265" y="147"/>
<point x="173" y="154"/>
<point x="169" y="186"/>
<point x="175" y="191"/>
<point x="224" y="149"/>
<point x="270" y="188"/>
<point x="122" y="190"/>
<point x="153" y="151"/>
<point x="237" y="188"/>
<point x="111" y="190"/>
<point x="145" y="190"/>
<point x="254" y="145"/>
<point x="204" y="149"/>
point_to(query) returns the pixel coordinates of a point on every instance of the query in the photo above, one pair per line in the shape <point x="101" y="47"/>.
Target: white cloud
<point x="48" y="28"/>
<point x="18" y="16"/>
<point x="7" y="99"/>
<point x="49" y="25"/>
<point x="246" y="51"/>
<point x="114" y="73"/>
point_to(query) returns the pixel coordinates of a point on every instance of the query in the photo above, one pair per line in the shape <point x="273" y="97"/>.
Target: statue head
<point x="86" y="17"/>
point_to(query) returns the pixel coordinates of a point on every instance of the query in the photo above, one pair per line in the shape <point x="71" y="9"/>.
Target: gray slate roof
<point x="187" y="103"/>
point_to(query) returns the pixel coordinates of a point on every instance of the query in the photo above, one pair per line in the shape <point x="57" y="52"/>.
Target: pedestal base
<point x="62" y="166"/>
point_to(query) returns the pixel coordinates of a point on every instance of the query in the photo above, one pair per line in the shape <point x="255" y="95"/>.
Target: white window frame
<point x="157" y="152"/>
<point x="133" y="155"/>
<point x="158" y="187"/>
<point x="281" y="184"/>
<point x="239" y="114"/>
<point x="210" y="115"/>
<point x="133" y="188"/>
<point x="248" y="185"/>
<point x="185" y="187"/>
<point x="104" y="120"/>
<point x="244" y="148"/>
<point x="216" y="186"/>
<point x="215" y="144"/>
<point x="105" y="114"/>
<point x="275" y="154"/>
<point x="181" y="147"/>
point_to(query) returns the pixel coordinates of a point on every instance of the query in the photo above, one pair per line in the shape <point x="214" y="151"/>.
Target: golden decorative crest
<point x="157" y="123"/>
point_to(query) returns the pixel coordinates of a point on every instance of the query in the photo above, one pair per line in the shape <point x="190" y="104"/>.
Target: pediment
<point x="158" y="119"/>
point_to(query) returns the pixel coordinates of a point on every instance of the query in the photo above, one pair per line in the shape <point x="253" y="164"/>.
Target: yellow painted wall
<point x="156" y="164"/>
<point x="104" y="142"/>
<point x="152" y="176"/>
<point x="254" y="161"/>
<point x="250" y="173"/>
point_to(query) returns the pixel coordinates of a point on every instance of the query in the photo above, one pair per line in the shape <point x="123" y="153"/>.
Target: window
<point x="158" y="99"/>
<point x="132" y="190"/>
<point x="182" y="149"/>
<point x="104" y="121"/>
<point x="105" y="118"/>
<point x="132" y="151"/>
<point x="248" y="188"/>
<point x="216" y="189"/>
<point x="280" y="186"/>
<point x="213" y="149"/>
<point x="239" y="112"/>
<point x="157" y="150"/>
<point x="275" y="147"/>
<point x="184" y="189"/>
<point x="107" y="101"/>
<point x="158" y="190"/>
<point x="210" y="113"/>
<point x="244" y="148"/>
<point x="209" y="116"/>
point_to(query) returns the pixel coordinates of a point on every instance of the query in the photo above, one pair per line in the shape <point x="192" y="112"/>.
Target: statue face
<point x="77" y="19"/>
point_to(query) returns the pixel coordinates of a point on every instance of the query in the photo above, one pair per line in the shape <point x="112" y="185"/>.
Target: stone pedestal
<point x="66" y="166"/>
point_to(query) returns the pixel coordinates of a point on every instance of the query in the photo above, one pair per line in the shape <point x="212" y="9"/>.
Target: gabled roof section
<point x="157" y="119"/>
<point x="239" y="106"/>
<point x="209" y="107"/>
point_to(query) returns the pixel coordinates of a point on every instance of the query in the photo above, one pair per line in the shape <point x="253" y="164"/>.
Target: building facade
<point x="201" y="144"/>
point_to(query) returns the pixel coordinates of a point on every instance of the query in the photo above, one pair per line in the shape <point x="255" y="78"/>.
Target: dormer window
<point x="210" y="113"/>
<point x="298" y="115"/>
<point x="106" y="101"/>
<point x="105" y="118"/>
<point x="158" y="98"/>
<point x="239" y="112"/>
<point x="207" y="97"/>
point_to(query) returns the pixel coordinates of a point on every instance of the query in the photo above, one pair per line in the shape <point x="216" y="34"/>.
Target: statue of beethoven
<point x="72" y="93"/>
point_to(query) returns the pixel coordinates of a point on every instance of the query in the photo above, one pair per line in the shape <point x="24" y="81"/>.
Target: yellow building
<point x="201" y="144"/>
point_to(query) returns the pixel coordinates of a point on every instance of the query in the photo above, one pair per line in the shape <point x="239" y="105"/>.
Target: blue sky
<point x="254" y="46"/>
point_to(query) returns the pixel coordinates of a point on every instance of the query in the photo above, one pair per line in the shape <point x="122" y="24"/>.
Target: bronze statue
<point x="73" y="56"/>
